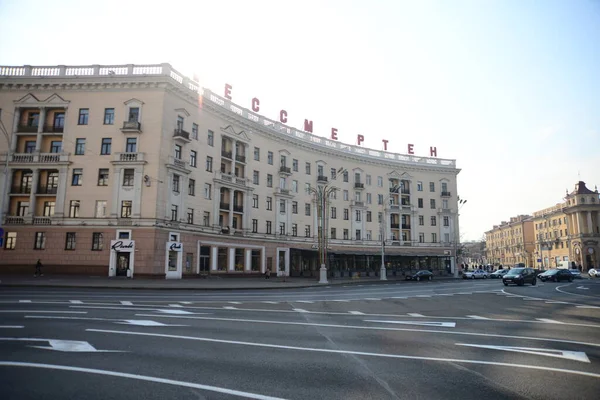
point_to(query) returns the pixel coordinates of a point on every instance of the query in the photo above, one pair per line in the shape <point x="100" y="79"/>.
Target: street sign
<point x="1" y="232"/>
<point x="539" y="260"/>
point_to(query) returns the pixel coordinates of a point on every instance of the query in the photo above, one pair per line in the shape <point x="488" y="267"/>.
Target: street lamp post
<point x="461" y="203"/>
<point x="5" y="180"/>
<point x="382" y="223"/>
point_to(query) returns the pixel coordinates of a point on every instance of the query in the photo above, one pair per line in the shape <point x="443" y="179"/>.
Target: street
<point x="394" y="340"/>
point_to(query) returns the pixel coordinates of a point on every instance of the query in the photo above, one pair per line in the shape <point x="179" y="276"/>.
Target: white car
<point x="478" y="274"/>
<point x="594" y="273"/>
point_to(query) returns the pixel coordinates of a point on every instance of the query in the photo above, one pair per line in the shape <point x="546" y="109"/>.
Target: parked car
<point x="594" y="273"/>
<point x="423" y="275"/>
<point x="498" y="274"/>
<point x="576" y="274"/>
<point x="520" y="276"/>
<point x="477" y="274"/>
<point x="556" y="275"/>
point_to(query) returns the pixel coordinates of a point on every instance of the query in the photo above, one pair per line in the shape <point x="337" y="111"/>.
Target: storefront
<point x="173" y="260"/>
<point x="122" y="258"/>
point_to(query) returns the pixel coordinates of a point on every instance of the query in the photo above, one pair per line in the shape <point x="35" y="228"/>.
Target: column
<point x="61" y="193"/>
<point x="214" y="255"/>
<point x="216" y="198"/>
<point x="16" y="121"/>
<point x="233" y="154"/>
<point x="183" y="191"/>
<point x="116" y="182"/>
<point x="246" y="214"/>
<point x="413" y="227"/>
<point x="589" y="222"/>
<point x="247" y="260"/>
<point x="137" y="187"/>
<point x="34" y="186"/>
<point x="7" y="181"/>
<point x="578" y="222"/>
<point x="41" y="122"/>
<point x="230" y="223"/>
<point x="231" y="259"/>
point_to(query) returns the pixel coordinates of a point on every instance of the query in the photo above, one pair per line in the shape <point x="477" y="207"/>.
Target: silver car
<point x="477" y="274"/>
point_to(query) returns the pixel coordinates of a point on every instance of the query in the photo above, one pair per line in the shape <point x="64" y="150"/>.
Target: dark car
<point x="520" y="276"/>
<point x="420" y="276"/>
<point x="498" y="274"/>
<point x="556" y="275"/>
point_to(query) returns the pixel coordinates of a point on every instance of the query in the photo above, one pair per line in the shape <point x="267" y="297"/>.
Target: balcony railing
<point x="285" y="170"/>
<point x="27" y="128"/>
<point x="282" y="191"/>
<point x="42" y="158"/>
<point x="322" y="178"/>
<point x="14" y="220"/>
<point x="131" y="126"/>
<point x="181" y="134"/>
<point x="404" y="190"/>
<point x="129" y="157"/>
<point x="43" y="189"/>
<point x="240" y="158"/>
<point x="405" y="226"/>
<point x="18" y="189"/>
<point x="42" y="221"/>
<point x="238" y="208"/>
<point x="53" y="129"/>
<point x="359" y="185"/>
<point x="358" y="203"/>
<point x="227" y="154"/>
<point x="395" y="225"/>
<point x="445" y="194"/>
<point x="223" y="205"/>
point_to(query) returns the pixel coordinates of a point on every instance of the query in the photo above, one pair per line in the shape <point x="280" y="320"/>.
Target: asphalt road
<point x="419" y="340"/>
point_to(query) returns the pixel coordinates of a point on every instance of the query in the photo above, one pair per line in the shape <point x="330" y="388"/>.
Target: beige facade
<point x="511" y="242"/>
<point x="551" y="237"/>
<point x="135" y="167"/>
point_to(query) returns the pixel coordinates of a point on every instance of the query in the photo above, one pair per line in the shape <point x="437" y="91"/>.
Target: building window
<point x="294" y="165"/>
<point x="190" y="215"/>
<point x="282" y="228"/>
<point x="79" y="146"/>
<point x="206" y="218"/>
<point x="254" y="226"/>
<point x="268" y="227"/>
<point x="192" y="187"/>
<point x="77" y="179"/>
<point x="346" y="214"/>
<point x="432" y="186"/>
<point x="256" y="154"/>
<point x="421" y="237"/>
<point x="434" y="237"/>
<point x="333" y="173"/>
<point x="270" y="158"/>
<point x="368" y="180"/>
<point x="358" y="234"/>
<point x="70" y="242"/>
<point x="126" y="209"/>
<point x="445" y="204"/>
<point x="269" y="203"/>
<point x="209" y="163"/>
<point x="131" y="145"/>
<point x="432" y="203"/>
<point x="269" y="180"/>
<point x="307" y="188"/>
<point x="40" y="241"/>
<point x="180" y="122"/>
<point x="106" y="146"/>
<point x="333" y="233"/>
<point x="421" y="220"/>
<point x="307" y="209"/>
<point x="369" y="235"/>
<point x="294" y="207"/>
<point x="128" y="175"/>
<point x="307" y="231"/>
<point x="255" y="178"/>
<point x="100" y="209"/>
<point x="294" y="186"/>
<point x="207" y="190"/>
<point x="380" y="181"/>
<point x="74" y="208"/>
<point x="433" y="221"/>
<point x="97" y="241"/>
<point x="84" y="114"/>
<point x="446" y="221"/>
<point x="282" y="206"/>
<point x="174" y="209"/>
<point x="109" y="116"/>
<point x="368" y="198"/>
<point x="420" y="203"/>
<point x="379" y="217"/>
<point x="307" y="168"/>
<point x="420" y="189"/>
<point x="195" y="131"/>
<point x="210" y="138"/>
<point x="29" y="146"/>
<point x="346" y="234"/>
<point x="380" y="199"/>
<point x="346" y="195"/>
<point x="133" y="114"/>
<point x="193" y="158"/>
<point x="55" y="146"/>
<point x="177" y="151"/>
<point x="103" y="177"/>
<point x="176" y="180"/>
<point x="345" y="176"/>
<point x="369" y="216"/>
<point x="254" y="201"/>
<point x="358" y="215"/>
<point x="294" y="230"/>
<point x="444" y="187"/>
<point x="11" y="240"/>
<point x="447" y="237"/>
<point x="333" y="213"/>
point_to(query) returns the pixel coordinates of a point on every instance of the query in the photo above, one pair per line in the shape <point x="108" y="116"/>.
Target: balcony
<point x="44" y="189"/>
<point x="322" y="179"/>
<point x="405" y="191"/>
<point x="395" y="225"/>
<point x="132" y="127"/>
<point x="240" y="158"/>
<point x="228" y="177"/>
<point x="14" y="220"/>
<point x="53" y="129"/>
<point x="42" y="221"/>
<point x="227" y="154"/>
<point x="129" y="158"/>
<point x="19" y="189"/>
<point x="357" y="203"/>
<point x="238" y="208"/>
<point x="39" y="158"/>
<point x="180" y="134"/>
<point x="223" y="206"/>
<point x="445" y="194"/>
<point x="280" y="191"/>
<point x="394" y="207"/>
<point x="359" y="185"/>
<point x="285" y="170"/>
<point x="27" y="129"/>
<point x="405" y="226"/>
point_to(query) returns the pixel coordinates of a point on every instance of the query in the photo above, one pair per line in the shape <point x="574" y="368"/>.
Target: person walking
<point x="38" y="268"/>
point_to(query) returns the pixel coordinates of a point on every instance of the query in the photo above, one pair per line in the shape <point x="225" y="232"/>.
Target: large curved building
<point x="134" y="169"/>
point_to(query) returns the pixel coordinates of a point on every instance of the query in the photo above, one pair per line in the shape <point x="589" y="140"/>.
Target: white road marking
<point x="444" y="294"/>
<point x="341" y="301"/>
<point x="422" y="323"/>
<point x="550" y="321"/>
<point x="372" y="299"/>
<point x="234" y="302"/>
<point x="230" y="308"/>
<point x="144" y="322"/>
<point x="300" y="310"/>
<point x="415" y="315"/>
<point x="422" y="295"/>
<point x="126" y="303"/>
<point x="185" y="302"/>
<point x="532" y="298"/>
<point x="588" y="307"/>
<point x="556" y="302"/>
<point x="270" y="302"/>
<point x="175" y="305"/>
<point x="303" y="301"/>
<point x="141" y="378"/>
<point x="399" y="297"/>
<point x="376" y="328"/>
<point x="11" y="326"/>
<point x="71" y="346"/>
<point x="356" y="313"/>
<point x="582" y="287"/>
<point x="179" y="312"/>
<point x="75" y="301"/>
<point x="464" y="293"/>
<point x="359" y="353"/>
<point x="43" y="311"/>
<point x="24" y="301"/>
<point x="118" y="321"/>
<point x="569" y="355"/>
<point x="476" y="317"/>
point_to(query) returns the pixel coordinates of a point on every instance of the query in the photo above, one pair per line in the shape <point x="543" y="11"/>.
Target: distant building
<point x="473" y="253"/>
<point x="511" y="242"/>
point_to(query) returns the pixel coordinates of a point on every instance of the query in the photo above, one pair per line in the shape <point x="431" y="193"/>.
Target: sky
<point x="510" y="89"/>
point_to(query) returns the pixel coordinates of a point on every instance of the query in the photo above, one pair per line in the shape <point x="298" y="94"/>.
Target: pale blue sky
<point x="510" y="89"/>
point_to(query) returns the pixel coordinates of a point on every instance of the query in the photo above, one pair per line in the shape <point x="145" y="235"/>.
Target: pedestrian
<point x="38" y="268"/>
<point x="267" y="274"/>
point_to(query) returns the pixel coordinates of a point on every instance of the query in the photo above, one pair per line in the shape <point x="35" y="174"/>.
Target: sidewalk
<point x="213" y="283"/>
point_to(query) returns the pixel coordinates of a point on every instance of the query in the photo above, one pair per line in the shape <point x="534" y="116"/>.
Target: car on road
<point x="576" y="273"/>
<point x="556" y="275"/>
<point x="423" y="275"/>
<point x="498" y="274"/>
<point x="520" y="276"/>
<point x="594" y="273"/>
<point x="477" y="274"/>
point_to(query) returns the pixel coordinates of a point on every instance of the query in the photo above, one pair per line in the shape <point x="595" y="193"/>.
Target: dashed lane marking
<point x="175" y="305"/>
<point x="231" y="308"/>
<point x="372" y="299"/>
<point x="476" y="317"/>
<point x="303" y="301"/>
<point x="234" y="302"/>
<point x="550" y="321"/>
<point x="356" y="313"/>
<point x="126" y="303"/>
<point x="423" y="295"/>
<point x="300" y="310"/>
<point x="24" y="301"/>
<point x="270" y="302"/>
<point x="75" y="301"/>
<point x="415" y="315"/>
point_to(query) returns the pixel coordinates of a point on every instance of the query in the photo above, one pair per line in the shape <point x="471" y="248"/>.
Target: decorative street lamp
<point x="461" y="203"/>
<point x="3" y="195"/>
